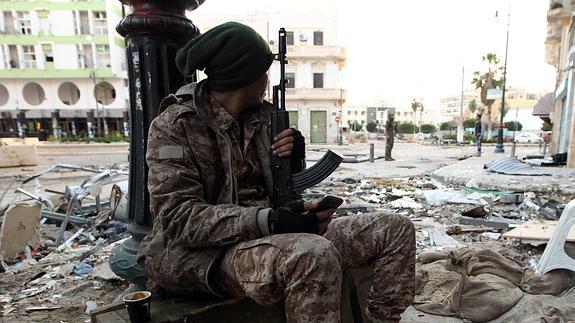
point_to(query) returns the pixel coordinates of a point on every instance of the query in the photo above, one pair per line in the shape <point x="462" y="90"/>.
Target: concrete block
<point x="19" y="141"/>
<point x="18" y="155"/>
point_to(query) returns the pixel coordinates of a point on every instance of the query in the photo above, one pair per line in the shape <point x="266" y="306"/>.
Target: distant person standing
<point x="390" y="128"/>
<point x="478" y="133"/>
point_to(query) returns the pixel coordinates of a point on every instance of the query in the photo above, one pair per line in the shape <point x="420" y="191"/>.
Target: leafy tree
<point x="513" y="126"/>
<point x="444" y="126"/>
<point x="546" y="127"/>
<point x="472" y="106"/>
<point x="406" y="127"/>
<point x="490" y="79"/>
<point x="371" y="126"/>
<point x="428" y="128"/>
<point x="355" y="126"/>
<point x="469" y="123"/>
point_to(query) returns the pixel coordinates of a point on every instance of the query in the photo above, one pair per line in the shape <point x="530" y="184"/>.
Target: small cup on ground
<point x="138" y="305"/>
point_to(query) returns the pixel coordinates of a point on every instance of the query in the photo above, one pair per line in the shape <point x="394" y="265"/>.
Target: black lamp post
<point x="499" y="145"/>
<point x="154" y="31"/>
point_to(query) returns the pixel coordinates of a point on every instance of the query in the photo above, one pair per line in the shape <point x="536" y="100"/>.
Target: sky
<point x="401" y="50"/>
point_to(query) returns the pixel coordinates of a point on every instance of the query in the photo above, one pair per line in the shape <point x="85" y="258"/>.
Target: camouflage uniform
<point x="389" y="136"/>
<point x="206" y="188"/>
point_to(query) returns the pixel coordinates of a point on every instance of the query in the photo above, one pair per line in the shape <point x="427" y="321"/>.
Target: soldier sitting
<point x="209" y="183"/>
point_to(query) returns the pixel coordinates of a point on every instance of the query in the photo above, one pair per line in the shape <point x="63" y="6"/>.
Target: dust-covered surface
<point x="452" y="201"/>
<point x="54" y="290"/>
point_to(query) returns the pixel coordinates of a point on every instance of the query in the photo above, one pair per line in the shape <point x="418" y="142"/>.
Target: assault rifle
<point x="287" y="186"/>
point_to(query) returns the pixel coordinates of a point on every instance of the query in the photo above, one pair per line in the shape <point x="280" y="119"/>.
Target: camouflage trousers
<point x="305" y="270"/>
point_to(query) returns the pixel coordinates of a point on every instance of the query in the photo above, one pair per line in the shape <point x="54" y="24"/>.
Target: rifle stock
<point x="287" y="186"/>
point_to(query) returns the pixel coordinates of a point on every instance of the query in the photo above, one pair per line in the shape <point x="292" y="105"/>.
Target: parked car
<point x="423" y="136"/>
<point x="528" y="138"/>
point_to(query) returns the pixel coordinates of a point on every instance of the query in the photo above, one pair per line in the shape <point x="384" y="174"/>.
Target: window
<point x="84" y="21"/>
<point x="318" y="38"/>
<point x="348" y="113"/>
<point x="103" y="55"/>
<point x="290" y="77"/>
<point x="28" y="56"/>
<point x="100" y="26"/>
<point x="14" y="62"/>
<point x="23" y="21"/>
<point x="317" y="80"/>
<point x="362" y="113"/>
<point x="47" y="49"/>
<point x="355" y="112"/>
<point x="289" y="37"/>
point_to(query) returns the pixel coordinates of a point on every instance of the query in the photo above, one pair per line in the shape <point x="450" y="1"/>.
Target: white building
<point x="65" y="57"/>
<point x="450" y="106"/>
<point x="315" y="62"/>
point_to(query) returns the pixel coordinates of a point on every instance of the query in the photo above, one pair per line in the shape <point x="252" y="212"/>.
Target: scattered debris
<point x="55" y="244"/>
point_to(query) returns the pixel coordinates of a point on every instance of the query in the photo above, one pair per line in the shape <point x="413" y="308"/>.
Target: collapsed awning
<point x="545" y="105"/>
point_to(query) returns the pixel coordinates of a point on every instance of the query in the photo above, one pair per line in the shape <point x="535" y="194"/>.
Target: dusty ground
<point x="415" y="163"/>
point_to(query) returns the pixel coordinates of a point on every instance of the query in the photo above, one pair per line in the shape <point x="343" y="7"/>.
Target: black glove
<point x="297" y="156"/>
<point x="291" y="219"/>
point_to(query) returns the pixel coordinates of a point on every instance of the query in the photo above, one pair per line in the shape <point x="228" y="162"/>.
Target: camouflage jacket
<point x="194" y="191"/>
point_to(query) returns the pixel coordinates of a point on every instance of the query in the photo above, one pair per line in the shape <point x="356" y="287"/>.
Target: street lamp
<point x="98" y="130"/>
<point x="499" y="145"/>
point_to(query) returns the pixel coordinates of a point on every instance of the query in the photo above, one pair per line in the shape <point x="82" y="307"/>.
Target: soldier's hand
<point x="324" y="217"/>
<point x="292" y="218"/>
<point x="288" y="142"/>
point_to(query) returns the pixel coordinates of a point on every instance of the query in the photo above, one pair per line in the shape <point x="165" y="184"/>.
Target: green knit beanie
<point x="232" y="55"/>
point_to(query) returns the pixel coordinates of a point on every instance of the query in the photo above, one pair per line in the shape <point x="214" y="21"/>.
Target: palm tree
<point x="491" y="79"/>
<point x="414" y="106"/>
<point x="420" y="115"/>
<point x="472" y="106"/>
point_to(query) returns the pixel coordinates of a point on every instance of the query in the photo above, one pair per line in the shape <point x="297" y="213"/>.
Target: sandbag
<point x="490" y="262"/>
<point x="483" y="297"/>
<point x="553" y="282"/>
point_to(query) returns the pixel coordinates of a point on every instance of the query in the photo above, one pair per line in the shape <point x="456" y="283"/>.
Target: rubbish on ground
<point x="439" y="197"/>
<point x="90" y="306"/>
<point x="436" y="237"/>
<point x="482" y="222"/>
<point x="42" y="308"/>
<point x="491" y="235"/>
<point x="82" y="269"/>
<point x="406" y="203"/>
<point x="511" y="198"/>
<point x="476" y="212"/>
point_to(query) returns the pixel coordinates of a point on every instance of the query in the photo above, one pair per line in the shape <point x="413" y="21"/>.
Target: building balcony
<point x="19" y="39"/>
<point x="316" y="94"/>
<point x="51" y="73"/>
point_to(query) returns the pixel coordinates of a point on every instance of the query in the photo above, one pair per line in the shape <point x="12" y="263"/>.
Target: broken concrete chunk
<point x="476" y="212"/>
<point x="20" y="227"/>
<point x="483" y="222"/>
<point x="511" y="198"/>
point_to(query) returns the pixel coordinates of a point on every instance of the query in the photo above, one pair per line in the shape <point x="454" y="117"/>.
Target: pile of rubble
<point x="478" y="249"/>
<point x="54" y="247"/>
